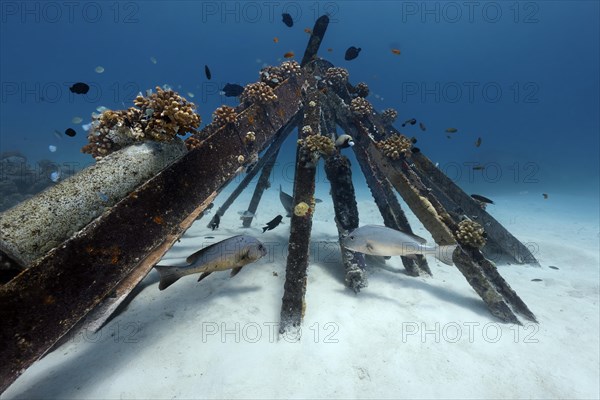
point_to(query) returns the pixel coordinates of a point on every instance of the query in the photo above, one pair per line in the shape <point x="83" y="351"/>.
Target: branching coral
<point x="389" y="115"/>
<point x="471" y="233"/>
<point x="361" y="106"/>
<point x="318" y="143"/>
<point x="271" y="75"/>
<point x="290" y="68"/>
<point x="395" y="146"/>
<point x="160" y="117"/>
<point x="361" y="89"/>
<point x="224" y="115"/>
<point x="258" y="92"/>
<point x="337" y="76"/>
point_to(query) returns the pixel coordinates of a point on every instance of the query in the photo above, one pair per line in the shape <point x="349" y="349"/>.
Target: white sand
<point x="401" y="337"/>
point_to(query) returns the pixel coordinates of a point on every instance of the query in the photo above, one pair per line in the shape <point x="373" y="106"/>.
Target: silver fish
<point x="232" y="253"/>
<point x="383" y="241"/>
<point x="287" y="201"/>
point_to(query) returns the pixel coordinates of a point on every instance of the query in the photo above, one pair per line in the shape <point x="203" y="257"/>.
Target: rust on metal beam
<point x="314" y="42"/>
<point x="292" y="307"/>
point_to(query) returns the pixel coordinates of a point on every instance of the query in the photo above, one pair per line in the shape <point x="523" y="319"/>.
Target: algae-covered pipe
<point x="32" y="228"/>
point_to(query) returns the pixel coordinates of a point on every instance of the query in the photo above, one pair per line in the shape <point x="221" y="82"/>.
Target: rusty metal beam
<point x="41" y="304"/>
<point x="292" y="307"/>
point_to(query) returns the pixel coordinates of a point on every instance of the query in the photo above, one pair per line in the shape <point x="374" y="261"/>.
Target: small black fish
<point x="411" y="121"/>
<point x="536" y="280"/>
<point x="545" y="195"/>
<point x="70" y="132"/>
<point x="352" y="53"/>
<point x="215" y="222"/>
<point x="552" y="266"/>
<point x="415" y="150"/>
<point x="287" y="19"/>
<point x="273" y="223"/>
<point x="482" y="199"/>
<point x="478" y="168"/>
<point x="79" y="88"/>
<point x="422" y="126"/>
<point x="233" y="90"/>
<point x="207" y="72"/>
<point x="413" y="140"/>
<point x="478" y="142"/>
<point x="209" y="237"/>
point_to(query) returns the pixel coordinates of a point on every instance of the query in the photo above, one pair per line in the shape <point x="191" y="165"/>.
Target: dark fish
<point x="413" y="140"/>
<point x="287" y="19"/>
<point x="411" y="121"/>
<point x="478" y="142"/>
<point x="273" y="223"/>
<point x="451" y="130"/>
<point x="422" y="126"/>
<point x="79" y="88"/>
<point x="289" y="54"/>
<point x="209" y="237"/>
<point x="545" y="195"/>
<point x="352" y="53"/>
<point x="478" y="168"/>
<point x="207" y="72"/>
<point x="70" y="132"/>
<point x="233" y="90"/>
<point x="552" y="266"/>
<point x="482" y="199"/>
<point x="215" y="222"/>
<point x="415" y="150"/>
<point x="536" y="280"/>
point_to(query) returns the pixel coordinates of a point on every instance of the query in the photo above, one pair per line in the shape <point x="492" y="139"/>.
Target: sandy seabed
<point x="401" y="337"/>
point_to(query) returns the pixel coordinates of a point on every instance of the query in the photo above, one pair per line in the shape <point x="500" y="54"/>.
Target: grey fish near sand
<point x="232" y="253"/>
<point x="383" y="241"/>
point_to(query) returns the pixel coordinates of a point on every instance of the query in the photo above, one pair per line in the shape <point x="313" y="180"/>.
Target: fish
<point x="451" y="130"/>
<point x="101" y="109"/>
<point x="80" y="88"/>
<point x="351" y="53"/>
<point x="276" y="40"/>
<point x="545" y="195"/>
<point x="190" y="94"/>
<point x="415" y="150"/>
<point x="76" y="120"/>
<point x="207" y="72"/>
<point x="289" y="54"/>
<point x="422" y="126"/>
<point x="478" y="142"/>
<point x="153" y="60"/>
<point x="287" y="20"/>
<point x="344" y="141"/>
<point x="55" y="176"/>
<point x="272" y="224"/>
<point x="57" y="134"/>
<point x="552" y="266"/>
<point x="70" y="132"/>
<point x="308" y="30"/>
<point x="287" y="201"/>
<point x="215" y="222"/>
<point x="379" y="240"/>
<point x="396" y="51"/>
<point x="52" y="148"/>
<point x="232" y="253"/>
<point x="411" y="121"/>
<point x="329" y="49"/>
<point x="246" y="214"/>
<point x="86" y="127"/>
<point x="536" y="280"/>
<point x="482" y="199"/>
<point x="99" y="69"/>
<point x="232" y="90"/>
<point x="478" y="168"/>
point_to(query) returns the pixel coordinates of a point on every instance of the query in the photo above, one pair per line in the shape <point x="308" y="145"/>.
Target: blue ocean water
<point x="523" y="76"/>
